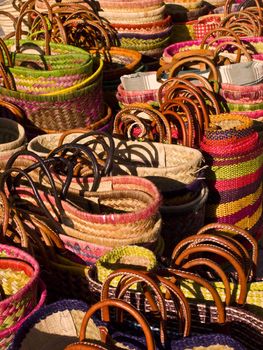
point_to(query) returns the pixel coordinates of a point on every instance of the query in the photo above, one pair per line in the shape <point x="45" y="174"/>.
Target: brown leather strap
<point x="236" y="232"/>
<point x="177" y="275"/>
<point x="129" y="277"/>
<point x="214" y="266"/>
<point x="86" y="346"/>
<point x="104" y="305"/>
<point x="205" y="248"/>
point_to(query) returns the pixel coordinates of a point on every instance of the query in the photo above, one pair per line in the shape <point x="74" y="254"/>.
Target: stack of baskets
<point x="58" y="86"/>
<point x="142" y="26"/>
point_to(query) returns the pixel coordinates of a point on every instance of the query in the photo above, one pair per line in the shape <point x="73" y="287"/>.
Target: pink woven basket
<point x="7" y="335"/>
<point x="14" y="307"/>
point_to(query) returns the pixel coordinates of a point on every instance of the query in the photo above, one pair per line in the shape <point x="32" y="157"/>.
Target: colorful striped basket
<point x="233" y="150"/>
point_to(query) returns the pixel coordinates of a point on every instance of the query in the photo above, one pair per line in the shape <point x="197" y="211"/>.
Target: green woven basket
<point x="38" y="73"/>
<point x="133" y="256"/>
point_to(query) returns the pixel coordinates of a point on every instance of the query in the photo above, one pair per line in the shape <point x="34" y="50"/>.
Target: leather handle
<point x="220" y="228"/>
<point x="79" y="149"/>
<point x="30" y="3"/>
<point x="228" y="4"/>
<point x="15" y="110"/>
<point x="19" y="30"/>
<point x="8" y="82"/>
<point x="239" y="46"/>
<point x="129" y="277"/>
<point x="216" y="268"/>
<point x="41" y="164"/>
<point x="176" y="274"/>
<point x="155" y="117"/>
<point x="213" y="34"/>
<point x="200" y="59"/>
<point x="186" y="136"/>
<point x="181" y="88"/>
<point x="101" y="305"/>
<point x="4" y="49"/>
<point x="203" y="248"/>
<point x="99" y="138"/>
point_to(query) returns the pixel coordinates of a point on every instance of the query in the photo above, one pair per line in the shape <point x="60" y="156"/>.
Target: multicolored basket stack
<point x="233" y="151"/>
<point x="142" y="26"/>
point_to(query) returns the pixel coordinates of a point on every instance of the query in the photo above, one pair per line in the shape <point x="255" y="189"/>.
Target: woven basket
<point x="128" y="256"/>
<point x="66" y="110"/>
<point x="234" y="153"/>
<point x="7" y="335"/>
<point x="19" y="280"/>
<point x="205" y="24"/>
<point x="12" y="137"/>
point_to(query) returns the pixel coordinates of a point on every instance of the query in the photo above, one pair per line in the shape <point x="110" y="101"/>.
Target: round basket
<point x="19" y="279"/>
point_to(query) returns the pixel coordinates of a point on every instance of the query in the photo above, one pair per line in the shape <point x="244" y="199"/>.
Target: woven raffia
<point x="39" y="74"/>
<point x="18" y="278"/>
<point x="234" y="178"/>
<point x="7" y="335"/>
<point x="127" y="256"/>
<point x="61" y="112"/>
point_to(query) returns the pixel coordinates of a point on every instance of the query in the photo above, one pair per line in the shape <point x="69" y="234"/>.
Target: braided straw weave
<point x="19" y="274"/>
<point x="40" y="74"/>
<point x="234" y="152"/>
<point x="63" y="111"/>
<point x="7" y="335"/>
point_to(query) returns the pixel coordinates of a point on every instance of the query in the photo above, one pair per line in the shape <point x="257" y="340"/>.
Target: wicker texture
<point x="19" y="279"/>
<point x="234" y="154"/>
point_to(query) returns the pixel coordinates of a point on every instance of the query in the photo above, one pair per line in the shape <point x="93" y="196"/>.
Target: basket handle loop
<point x="234" y="231"/>
<point x="99" y="137"/>
<point x="202" y="248"/>
<point x="8" y="81"/>
<point x="19" y="30"/>
<point x="176" y="273"/>
<point x="216" y="34"/>
<point x="86" y="346"/>
<point x="77" y="149"/>
<point x="104" y="305"/>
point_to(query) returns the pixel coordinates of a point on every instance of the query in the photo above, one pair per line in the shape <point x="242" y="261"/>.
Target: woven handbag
<point x="40" y="67"/>
<point x="66" y="110"/>
<point x="74" y="334"/>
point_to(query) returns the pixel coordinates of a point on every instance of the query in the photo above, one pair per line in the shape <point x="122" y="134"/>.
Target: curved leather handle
<point x="43" y="167"/>
<point x="109" y="149"/>
<point x="220" y="228"/>
<point x="239" y="46"/>
<point x="195" y="112"/>
<point x="212" y="33"/>
<point x="187" y="137"/>
<point x="4" y="48"/>
<point x="184" y="89"/>
<point x="176" y="274"/>
<point x="15" y="110"/>
<point x="120" y="116"/>
<point x="129" y="277"/>
<point x="214" y="240"/>
<point x="104" y="305"/>
<point x="228" y="4"/>
<point x="203" y="248"/>
<point x="200" y="59"/>
<point x="244" y="23"/>
<point x="8" y="82"/>
<point x="30" y="3"/>
<point x="78" y="148"/>
<point x="194" y="76"/>
<point x="19" y="30"/>
<point x="216" y="268"/>
<point x="7" y="174"/>
<point x="203" y="119"/>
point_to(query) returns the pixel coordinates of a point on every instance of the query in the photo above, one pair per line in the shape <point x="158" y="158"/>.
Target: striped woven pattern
<point x="234" y="178"/>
